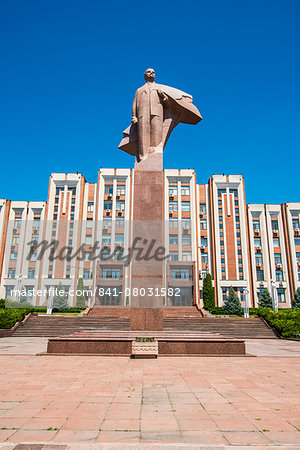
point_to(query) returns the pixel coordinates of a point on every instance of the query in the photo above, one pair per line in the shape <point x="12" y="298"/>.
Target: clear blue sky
<point x="70" y="68"/>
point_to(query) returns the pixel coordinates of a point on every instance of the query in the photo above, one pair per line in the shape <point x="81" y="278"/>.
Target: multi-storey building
<point x="208" y="228"/>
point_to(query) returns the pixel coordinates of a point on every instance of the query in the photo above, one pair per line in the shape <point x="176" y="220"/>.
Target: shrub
<point x="296" y="299"/>
<point x="60" y="300"/>
<point x="286" y="321"/>
<point x="232" y="303"/>
<point x="80" y="299"/>
<point x="265" y="299"/>
<point x="10" y="316"/>
<point x="208" y="293"/>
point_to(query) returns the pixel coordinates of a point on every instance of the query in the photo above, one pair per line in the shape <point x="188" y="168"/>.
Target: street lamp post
<point x="274" y="296"/>
<point x="246" y="303"/>
<point x="50" y="300"/>
<point x="19" y="287"/>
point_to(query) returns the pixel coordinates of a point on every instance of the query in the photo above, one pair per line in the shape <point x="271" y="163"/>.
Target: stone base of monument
<point x="146" y="319"/>
<point x="170" y="343"/>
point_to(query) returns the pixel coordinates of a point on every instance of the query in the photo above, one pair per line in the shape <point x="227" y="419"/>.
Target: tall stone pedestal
<point x="146" y="319"/>
<point x="147" y="231"/>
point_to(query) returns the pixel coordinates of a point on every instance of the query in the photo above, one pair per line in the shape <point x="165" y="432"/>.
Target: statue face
<point x="149" y="75"/>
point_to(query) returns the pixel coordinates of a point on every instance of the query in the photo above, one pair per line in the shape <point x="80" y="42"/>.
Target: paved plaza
<point x="203" y="401"/>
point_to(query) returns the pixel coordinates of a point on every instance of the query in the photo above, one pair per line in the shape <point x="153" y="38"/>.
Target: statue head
<point x="149" y="75"/>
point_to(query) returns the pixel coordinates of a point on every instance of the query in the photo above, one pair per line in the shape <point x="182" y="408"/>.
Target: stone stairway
<point x="254" y="328"/>
<point x="177" y="319"/>
<point x="62" y="325"/>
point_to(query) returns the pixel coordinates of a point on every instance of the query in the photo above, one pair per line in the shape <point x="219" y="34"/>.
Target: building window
<point x="186" y="224"/>
<point x="256" y="225"/>
<point x="258" y="258"/>
<point x="120" y="206"/>
<point x="72" y="208"/>
<point x="237" y="218"/>
<point x="72" y="217"/>
<point x="121" y="189"/>
<point x="73" y="190"/>
<point x="186" y="239"/>
<point x="298" y="275"/>
<point x="204" y="258"/>
<point x="173" y="239"/>
<point x="185" y="190"/>
<point x="111" y="273"/>
<point x="219" y="202"/>
<point x="181" y="273"/>
<point x="13" y="256"/>
<point x="186" y="256"/>
<point x="120" y="222"/>
<point x="33" y="257"/>
<point x="276" y="242"/>
<point x="173" y="206"/>
<point x="56" y="200"/>
<point x="260" y="275"/>
<point x="173" y="256"/>
<point x="59" y="189"/>
<point x="73" y="200"/>
<point x="202" y="208"/>
<point x="107" y="223"/>
<point x="54" y="216"/>
<point x="279" y="275"/>
<point x="173" y="190"/>
<point x="237" y="226"/>
<point x="277" y="258"/>
<point x="86" y="274"/>
<point x="9" y="292"/>
<point x="109" y="189"/>
<point x="204" y="241"/>
<point x="223" y="269"/>
<point x="119" y="239"/>
<point x="222" y="260"/>
<point x="298" y="257"/>
<point x="257" y="242"/>
<point x="274" y="224"/>
<point x="173" y="223"/>
<point x="107" y="205"/>
<point x="297" y="241"/>
<point x="295" y="223"/>
<point x="203" y="224"/>
<point x="106" y="240"/>
<point x="281" y="295"/>
<point x="31" y="273"/>
<point x="11" y="273"/>
<point x="185" y="206"/>
<point x="88" y="240"/>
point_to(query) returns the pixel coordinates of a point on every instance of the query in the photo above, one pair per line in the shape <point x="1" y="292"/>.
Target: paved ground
<point x="204" y="401"/>
<point x="257" y="347"/>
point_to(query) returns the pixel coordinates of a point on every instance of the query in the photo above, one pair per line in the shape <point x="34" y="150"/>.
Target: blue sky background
<point x="70" y="68"/>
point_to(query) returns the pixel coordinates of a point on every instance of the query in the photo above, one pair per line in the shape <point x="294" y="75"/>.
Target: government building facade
<point x="207" y="228"/>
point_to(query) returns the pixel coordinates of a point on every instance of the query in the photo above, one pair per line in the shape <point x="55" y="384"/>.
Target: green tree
<point x="80" y="298"/>
<point x="296" y="299"/>
<point x="208" y="293"/>
<point x="232" y="304"/>
<point x="60" y="300"/>
<point x="265" y="299"/>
